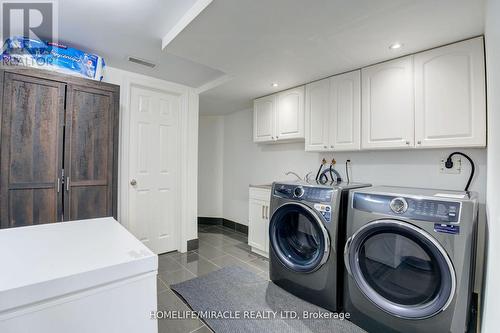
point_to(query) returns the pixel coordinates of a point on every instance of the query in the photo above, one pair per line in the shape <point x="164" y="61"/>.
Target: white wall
<point x="245" y="162"/>
<point x="491" y="310"/>
<point x="210" y="171"/>
<point x="248" y="163"/>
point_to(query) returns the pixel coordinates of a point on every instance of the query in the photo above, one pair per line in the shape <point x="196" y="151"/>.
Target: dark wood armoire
<point x="58" y="148"/>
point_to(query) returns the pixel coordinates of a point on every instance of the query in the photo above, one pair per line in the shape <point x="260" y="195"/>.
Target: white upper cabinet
<point x="333" y="108"/>
<point x="280" y="117"/>
<point x="388" y="105"/>
<point x="290" y="114"/>
<point x="433" y="99"/>
<point x="317" y="115"/>
<point x="264" y="115"/>
<point x="450" y="98"/>
<point x="345" y="112"/>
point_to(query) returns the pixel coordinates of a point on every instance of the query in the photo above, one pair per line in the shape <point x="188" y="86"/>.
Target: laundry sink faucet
<point x="293" y="173"/>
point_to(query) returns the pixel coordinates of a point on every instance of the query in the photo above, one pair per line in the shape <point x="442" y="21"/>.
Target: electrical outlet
<point x="457" y="166"/>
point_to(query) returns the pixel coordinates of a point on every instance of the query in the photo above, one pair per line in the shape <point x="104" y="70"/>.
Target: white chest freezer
<point x="79" y="276"/>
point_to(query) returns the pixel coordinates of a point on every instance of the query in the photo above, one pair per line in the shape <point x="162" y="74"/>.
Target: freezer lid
<point x="50" y="260"/>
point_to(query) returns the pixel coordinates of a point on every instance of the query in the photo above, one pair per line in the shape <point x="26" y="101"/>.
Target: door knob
<point x="133" y="182"/>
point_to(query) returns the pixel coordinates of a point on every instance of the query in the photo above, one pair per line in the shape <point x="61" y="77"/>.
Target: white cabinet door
<point x="450" y="103"/>
<point x="264" y="114"/>
<point x="317" y="115"/>
<point x="290" y="114"/>
<point x="345" y="112"/>
<point x="388" y="105"/>
<point x="257" y="226"/>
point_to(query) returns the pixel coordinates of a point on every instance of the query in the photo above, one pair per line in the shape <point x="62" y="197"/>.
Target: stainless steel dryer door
<point x="298" y="238"/>
<point x="401" y="268"/>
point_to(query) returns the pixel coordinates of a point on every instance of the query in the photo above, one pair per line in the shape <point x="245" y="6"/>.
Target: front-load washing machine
<point x="409" y="259"/>
<point x="306" y="237"/>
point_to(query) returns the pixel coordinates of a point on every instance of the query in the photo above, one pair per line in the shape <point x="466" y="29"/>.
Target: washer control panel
<point x="438" y="211"/>
<point x="304" y="193"/>
<point x="324" y="210"/>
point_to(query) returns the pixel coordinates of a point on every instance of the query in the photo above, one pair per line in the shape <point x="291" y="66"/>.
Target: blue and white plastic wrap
<point x="20" y="51"/>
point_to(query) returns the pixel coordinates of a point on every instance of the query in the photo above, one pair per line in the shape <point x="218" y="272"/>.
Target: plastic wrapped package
<point x="21" y="51"/>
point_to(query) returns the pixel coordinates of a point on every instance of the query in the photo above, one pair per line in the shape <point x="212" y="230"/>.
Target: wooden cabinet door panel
<point x="89" y="202"/>
<point x="31" y="151"/>
<point x="33" y="206"/>
<point x="89" y="153"/>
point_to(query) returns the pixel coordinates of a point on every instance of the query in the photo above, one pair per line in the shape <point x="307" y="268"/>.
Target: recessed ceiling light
<point x="396" y="46"/>
<point x="274" y="84"/>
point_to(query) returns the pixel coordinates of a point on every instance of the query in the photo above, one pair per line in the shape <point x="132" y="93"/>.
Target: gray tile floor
<point x="219" y="247"/>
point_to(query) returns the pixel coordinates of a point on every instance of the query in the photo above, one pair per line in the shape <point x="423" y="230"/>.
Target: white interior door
<point x="154" y="169"/>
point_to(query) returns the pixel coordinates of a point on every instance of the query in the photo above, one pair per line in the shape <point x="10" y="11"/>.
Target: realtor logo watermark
<point x="31" y="19"/>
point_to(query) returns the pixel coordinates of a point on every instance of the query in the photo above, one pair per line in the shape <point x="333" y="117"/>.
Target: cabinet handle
<point x="267" y="212"/>
<point x="262" y="212"/>
<point x="58" y="184"/>
<point x="277" y="137"/>
<point x="325" y="147"/>
<point x="331" y="147"/>
<point x="407" y="142"/>
<point x="419" y="142"/>
<point x="67" y="184"/>
<point x="272" y="138"/>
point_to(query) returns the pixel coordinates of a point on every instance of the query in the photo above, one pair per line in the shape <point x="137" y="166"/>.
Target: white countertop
<point x="263" y="186"/>
<point x="49" y="260"/>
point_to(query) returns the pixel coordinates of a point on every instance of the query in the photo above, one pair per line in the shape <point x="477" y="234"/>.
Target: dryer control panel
<point x="438" y="211"/>
<point x="304" y="193"/>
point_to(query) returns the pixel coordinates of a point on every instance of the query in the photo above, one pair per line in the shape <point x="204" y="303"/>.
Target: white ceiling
<point x="256" y="42"/>
<point x="297" y="41"/>
<point x="117" y="29"/>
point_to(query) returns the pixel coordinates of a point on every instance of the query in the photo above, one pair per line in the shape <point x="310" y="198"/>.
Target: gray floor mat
<point x="234" y="291"/>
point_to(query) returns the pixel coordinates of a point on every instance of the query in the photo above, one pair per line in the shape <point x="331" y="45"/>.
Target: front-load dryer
<point x="306" y="238"/>
<point x="410" y="259"/>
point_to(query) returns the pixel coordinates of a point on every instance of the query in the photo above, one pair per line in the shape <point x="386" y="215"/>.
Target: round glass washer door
<point x="298" y="238"/>
<point x="401" y="268"/>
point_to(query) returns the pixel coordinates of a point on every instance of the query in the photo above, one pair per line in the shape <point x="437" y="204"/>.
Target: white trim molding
<point x="187" y="18"/>
<point x="214" y="83"/>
